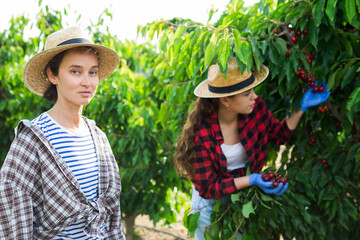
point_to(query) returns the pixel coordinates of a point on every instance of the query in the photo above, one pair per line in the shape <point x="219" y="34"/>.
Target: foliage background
<point x="143" y="105"/>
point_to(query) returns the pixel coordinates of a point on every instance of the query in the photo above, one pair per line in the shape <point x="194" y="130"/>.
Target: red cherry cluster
<point x="294" y="39"/>
<point x="323" y="109"/>
<point x="324" y="162"/>
<point x="302" y="74"/>
<point x="275" y="178"/>
<point x="312" y="141"/>
<point x="299" y="33"/>
<point x="310" y="57"/>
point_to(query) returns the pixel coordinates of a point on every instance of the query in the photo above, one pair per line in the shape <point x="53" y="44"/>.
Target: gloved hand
<point x="256" y="179"/>
<point x="312" y="98"/>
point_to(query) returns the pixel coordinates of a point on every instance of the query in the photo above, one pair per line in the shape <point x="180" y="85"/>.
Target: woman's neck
<point x="68" y="117"/>
<point x="227" y="116"/>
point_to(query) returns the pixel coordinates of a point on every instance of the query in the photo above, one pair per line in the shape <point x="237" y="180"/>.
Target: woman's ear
<point x="225" y="101"/>
<point x="51" y="76"/>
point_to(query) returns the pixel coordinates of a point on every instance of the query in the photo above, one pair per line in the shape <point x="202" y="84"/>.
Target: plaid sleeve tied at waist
<point x="39" y="195"/>
<point x="211" y="177"/>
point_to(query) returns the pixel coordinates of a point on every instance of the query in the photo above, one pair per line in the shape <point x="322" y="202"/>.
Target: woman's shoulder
<point x="208" y="126"/>
<point x="92" y="125"/>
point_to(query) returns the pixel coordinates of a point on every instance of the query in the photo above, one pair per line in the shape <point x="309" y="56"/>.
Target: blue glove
<point x="256" y="179"/>
<point x="311" y="98"/>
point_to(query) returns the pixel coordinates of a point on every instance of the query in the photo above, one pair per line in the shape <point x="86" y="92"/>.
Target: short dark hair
<point x="54" y="64"/>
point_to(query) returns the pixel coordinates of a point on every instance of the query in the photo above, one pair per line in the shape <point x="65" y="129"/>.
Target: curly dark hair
<point x="185" y="149"/>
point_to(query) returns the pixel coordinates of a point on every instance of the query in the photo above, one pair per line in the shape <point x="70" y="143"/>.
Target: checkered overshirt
<point x="39" y="195"/>
<point x="211" y="178"/>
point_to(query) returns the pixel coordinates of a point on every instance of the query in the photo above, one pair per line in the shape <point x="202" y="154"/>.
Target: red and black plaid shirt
<point x="256" y="129"/>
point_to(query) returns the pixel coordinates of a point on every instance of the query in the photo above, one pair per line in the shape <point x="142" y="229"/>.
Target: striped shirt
<point x="78" y="151"/>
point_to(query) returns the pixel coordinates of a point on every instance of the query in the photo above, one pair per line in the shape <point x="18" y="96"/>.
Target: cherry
<point x="311" y="56"/>
<point x="294" y="39"/>
<point x="265" y="177"/>
<point x="276" y="31"/>
<point x="275" y="184"/>
<point x="271" y="176"/>
<point x="316" y="89"/>
<point x="302" y="76"/>
<point x="337" y="124"/>
<point x="298" y="72"/>
<point x="283" y="180"/>
<point x="309" y="79"/>
<point x="309" y="60"/>
<point x="312" y="141"/>
<point x="305" y="32"/>
<point x="287" y="53"/>
<point x="321" y="88"/>
<point x="298" y="32"/>
<point x="311" y="84"/>
<point x="323" y="161"/>
<point x="321" y="109"/>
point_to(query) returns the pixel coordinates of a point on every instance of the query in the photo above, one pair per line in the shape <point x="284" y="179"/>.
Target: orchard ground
<point x="146" y="230"/>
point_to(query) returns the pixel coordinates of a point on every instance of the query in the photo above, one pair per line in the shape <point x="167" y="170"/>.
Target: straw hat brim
<point x="33" y="75"/>
<point x="202" y="90"/>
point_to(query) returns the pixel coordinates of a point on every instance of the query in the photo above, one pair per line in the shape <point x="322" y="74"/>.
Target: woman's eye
<point x="93" y="73"/>
<point x="75" y="71"/>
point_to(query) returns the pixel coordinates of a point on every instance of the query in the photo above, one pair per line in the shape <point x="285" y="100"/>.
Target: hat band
<point x="74" y="41"/>
<point x="233" y="88"/>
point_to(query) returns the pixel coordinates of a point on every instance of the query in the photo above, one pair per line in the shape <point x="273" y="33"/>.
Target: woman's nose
<point x="253" y="94"/>
<point x="86" y="80"/>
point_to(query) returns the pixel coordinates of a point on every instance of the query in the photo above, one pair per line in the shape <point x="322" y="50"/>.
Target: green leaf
<point x="331" y="9"/>
<point x="331" y="81"/>
<point x="280" y="45"/>
<point x="263" y="46"/>
<point x="246" y="237"/>
<point x="247" y="209"/>
<point x="349" y="75"/>
<point x="192" y="223"/>
<point x="350" y="9"/>
<point x="313" y="33"/>
<point x="235" y="197"/>
<point x="318" y="11"/>
<point x="224" y="52"/>
<point x="353" y="99"/>
<point x="209" y="54"/>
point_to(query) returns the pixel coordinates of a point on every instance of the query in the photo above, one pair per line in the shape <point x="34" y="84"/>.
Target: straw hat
<point x="216" y="85"/>
<point x="34" y="76"/>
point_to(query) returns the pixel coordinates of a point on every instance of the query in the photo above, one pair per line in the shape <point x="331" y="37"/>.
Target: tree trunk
<point x="129" y="226"/>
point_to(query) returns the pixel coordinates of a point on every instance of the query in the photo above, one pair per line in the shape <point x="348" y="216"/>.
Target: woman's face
<point x="243" y="103"/>
<point x="77" y="79"/>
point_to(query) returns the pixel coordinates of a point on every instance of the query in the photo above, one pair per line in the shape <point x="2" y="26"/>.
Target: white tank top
<point x="235" y="156"/>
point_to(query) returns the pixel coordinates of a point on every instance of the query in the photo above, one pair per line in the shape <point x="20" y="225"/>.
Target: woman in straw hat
<point x="229" y="127"/>
<point x="60" y="179"/>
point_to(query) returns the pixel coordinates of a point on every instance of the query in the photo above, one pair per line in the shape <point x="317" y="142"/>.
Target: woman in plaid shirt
<point x="229" y="127"/>
<point x="60" y="179"/>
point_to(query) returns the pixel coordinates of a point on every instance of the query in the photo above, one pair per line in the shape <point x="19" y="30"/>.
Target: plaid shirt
<point x="211" y="178"/>
<point x="39" y="195"/>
